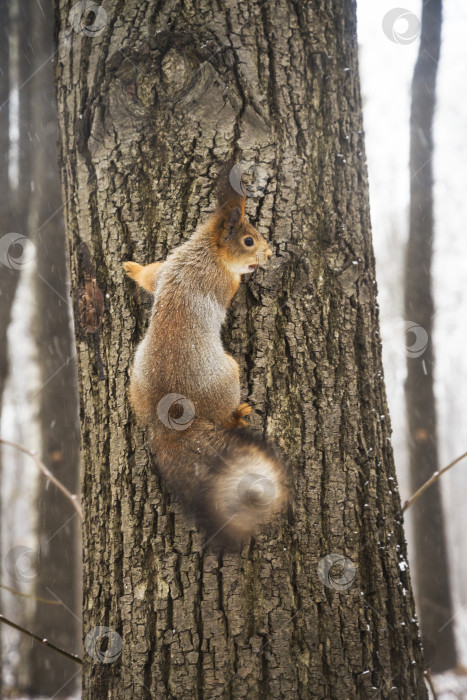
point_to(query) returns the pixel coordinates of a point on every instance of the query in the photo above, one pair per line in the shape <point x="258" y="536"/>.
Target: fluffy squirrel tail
<point x="231" y="481"/>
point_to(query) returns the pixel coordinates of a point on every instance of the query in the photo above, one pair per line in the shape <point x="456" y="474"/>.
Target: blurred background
<point x="39" y="528"/>
<point x="387" y="70"/>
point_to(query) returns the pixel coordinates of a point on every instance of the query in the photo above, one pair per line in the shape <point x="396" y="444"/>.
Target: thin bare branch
<point x="48" y="601"/>
<point x="431" y="481"/>
<point x="429" y="680"/>
<point x="45" y="642"/>
<point x="48" y="474"/>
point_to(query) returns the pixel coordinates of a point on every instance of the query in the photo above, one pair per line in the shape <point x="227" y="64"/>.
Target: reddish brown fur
<point x="182" y="354"/>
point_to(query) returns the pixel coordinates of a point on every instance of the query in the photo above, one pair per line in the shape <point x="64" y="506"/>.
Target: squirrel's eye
<point x="248" y="241"/>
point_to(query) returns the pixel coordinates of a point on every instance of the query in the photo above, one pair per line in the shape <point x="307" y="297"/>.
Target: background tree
<point x="15" y="187"/>
<point x="151" y="100"/>
<point x="5" y="304"/>
<point x="15" y="181"/>
<point x="430" y="551"/>
<point x="59" y="573"/>
<point x="7" y="274"/>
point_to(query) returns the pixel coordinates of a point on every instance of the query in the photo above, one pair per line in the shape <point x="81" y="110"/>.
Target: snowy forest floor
<point x="450" y="686"/>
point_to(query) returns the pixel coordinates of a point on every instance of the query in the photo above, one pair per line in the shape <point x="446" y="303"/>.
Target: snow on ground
<point x="450" y="686"/>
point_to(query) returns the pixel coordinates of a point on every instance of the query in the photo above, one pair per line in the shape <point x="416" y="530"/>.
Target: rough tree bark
<point x="152" y="98"/>
<point x="430" y="552"/>
<point x="57" y="524"/>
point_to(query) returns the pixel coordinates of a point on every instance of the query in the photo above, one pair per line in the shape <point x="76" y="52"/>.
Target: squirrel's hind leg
<point x="235" y="420"/>
<point x="144" y="275"/>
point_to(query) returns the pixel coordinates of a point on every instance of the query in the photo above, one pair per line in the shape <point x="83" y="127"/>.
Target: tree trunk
<point x="58" y="526"/>
<point x="151" y="101"/>
<point x="431" y="560"/>
<point x="6" y="273"/>
<point x="5" y="203"/>
<point x="15" y="191"/>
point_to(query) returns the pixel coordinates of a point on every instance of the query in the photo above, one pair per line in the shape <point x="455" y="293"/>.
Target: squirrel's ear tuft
<point x="232" y="220"/>
<point x="231" y="206"/>
<point x="234" y="217"/>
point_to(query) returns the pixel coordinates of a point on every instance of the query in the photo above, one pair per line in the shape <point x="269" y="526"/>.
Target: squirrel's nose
<point x="268" y="252"/>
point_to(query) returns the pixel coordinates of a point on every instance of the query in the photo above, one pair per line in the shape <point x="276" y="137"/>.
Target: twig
<point x="429" y="680"/>
<point x="45" y="642"/>
<point x="430" y="481"/>
<point x="47" y="473"/>
<point x="29" y="595"/>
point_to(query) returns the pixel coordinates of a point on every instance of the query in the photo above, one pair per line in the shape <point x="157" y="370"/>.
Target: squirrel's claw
<point x="244" y="409"/>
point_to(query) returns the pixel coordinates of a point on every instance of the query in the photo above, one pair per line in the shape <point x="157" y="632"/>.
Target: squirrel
<point x="185" y="388"/>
